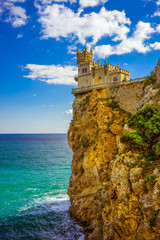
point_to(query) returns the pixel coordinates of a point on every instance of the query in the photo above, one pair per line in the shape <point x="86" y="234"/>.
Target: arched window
<point x="85" y="69"/>
<point x="115" y="79"/>
<point x="82" y="70"/>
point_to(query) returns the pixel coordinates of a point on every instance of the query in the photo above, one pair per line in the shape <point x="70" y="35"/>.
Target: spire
<point x="105" y="61"/>
<point x="85" y="47"/>
<point x="77" y="49"/>
<point x="118" y="64"/>
<point x="91" y="50"/>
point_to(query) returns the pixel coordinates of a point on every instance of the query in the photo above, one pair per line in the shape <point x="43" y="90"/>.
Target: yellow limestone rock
<point x="108" y="191"/>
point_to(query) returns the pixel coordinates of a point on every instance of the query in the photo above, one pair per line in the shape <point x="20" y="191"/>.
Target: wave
<point x="47" y="199"/>
<point x="49" y="220"/>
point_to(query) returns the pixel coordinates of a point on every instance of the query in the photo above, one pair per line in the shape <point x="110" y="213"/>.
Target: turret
<point x="85" y="56"/>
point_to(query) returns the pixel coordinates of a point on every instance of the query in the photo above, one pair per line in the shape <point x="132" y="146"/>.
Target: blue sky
<point x="38" y="40"/>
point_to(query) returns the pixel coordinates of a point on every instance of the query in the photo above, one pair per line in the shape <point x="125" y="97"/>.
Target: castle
<point x="91" y="73"/>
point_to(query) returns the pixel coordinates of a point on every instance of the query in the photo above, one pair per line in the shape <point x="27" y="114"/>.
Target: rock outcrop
<point x="113" y="194"/>
<point x="157" y="71"/>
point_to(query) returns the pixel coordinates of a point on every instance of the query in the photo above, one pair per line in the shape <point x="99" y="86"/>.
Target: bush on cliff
<point x="147" y="125"/>
<point x="133" y="140"/>
<point x="150" y="80"/>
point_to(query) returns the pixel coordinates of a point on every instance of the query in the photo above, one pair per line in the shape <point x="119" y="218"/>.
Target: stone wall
<point x="127" y="95"/>
<point x="85" y="81"/>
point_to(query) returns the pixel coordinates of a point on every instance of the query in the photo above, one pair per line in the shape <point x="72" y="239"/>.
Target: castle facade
<point x="91" y="73"/>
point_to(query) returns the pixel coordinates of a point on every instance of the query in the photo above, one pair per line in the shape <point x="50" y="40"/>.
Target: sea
<point x="34" y="178"/>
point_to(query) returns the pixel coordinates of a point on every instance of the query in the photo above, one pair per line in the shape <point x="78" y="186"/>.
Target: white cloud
<point x="69" y="111"/>
<point x="155" y="46"/>
<point x="48" y="2"/>
<point x="19" y="35"/>
<point x="91" y="3"/>
<point x="60" y="21"/>
<point x="52" y="74"/>
<point x="82" y="3"/>
<point x="17" y="1"/>
<point x="34" y="95"/>
<point x="72" y="49"/>
<point x="14" y="13"/>
<point x="1" y="11"/>
<point x="17" y="16"/>
<point x="155" y="1"/>
<point x="71" y="1"/>
<point x="136" y="42"/>
<point x="158" y="28"/>
<point x="158" y="2"/>
<point x="156" y="14"/>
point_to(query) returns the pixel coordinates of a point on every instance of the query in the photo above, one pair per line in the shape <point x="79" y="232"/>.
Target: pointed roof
<point x="85" y="49"/>
<point x="78" y="48"/>
<point x="91" y="50"/>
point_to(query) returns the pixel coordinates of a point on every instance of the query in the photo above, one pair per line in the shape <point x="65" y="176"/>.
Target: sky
<point x="38" y="41"/>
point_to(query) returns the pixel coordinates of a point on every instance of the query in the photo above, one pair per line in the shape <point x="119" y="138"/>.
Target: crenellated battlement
<point x="85" y="56"/>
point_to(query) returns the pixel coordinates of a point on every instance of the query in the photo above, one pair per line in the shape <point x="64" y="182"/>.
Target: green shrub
<point x="156" y="147"/>
<point x="147" y="125"/>
<point x="152" y="220"/>
<point x="127" y="196"/>
<point x="109" y="123"/>
<point x="134" y="140"/>
<point x="151" y="180"/>
<point x="113" y="104"/>
<point x="150" y="80"/>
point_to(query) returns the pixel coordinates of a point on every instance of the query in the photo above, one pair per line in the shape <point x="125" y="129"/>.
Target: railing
<point x="103" y="85"/>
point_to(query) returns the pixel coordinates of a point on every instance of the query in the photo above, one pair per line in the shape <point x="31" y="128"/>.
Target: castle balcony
<point x="76" y="91"/>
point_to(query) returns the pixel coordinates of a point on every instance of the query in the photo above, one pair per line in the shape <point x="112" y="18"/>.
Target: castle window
<point x="124" y="80"/>
<point x="85" y="69"/>
<point x="82" y="70"/>
<point x="115" y="79"/>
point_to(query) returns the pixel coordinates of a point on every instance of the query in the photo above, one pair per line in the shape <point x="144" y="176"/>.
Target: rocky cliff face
<point x="114" y="192"/>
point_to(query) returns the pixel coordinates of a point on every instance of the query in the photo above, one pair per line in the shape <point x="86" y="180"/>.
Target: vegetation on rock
<point x="147" y="125"/>
<point x="150" y="80"/>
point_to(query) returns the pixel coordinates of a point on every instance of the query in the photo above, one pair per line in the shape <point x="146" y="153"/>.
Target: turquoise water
<point x="34" y="177"/>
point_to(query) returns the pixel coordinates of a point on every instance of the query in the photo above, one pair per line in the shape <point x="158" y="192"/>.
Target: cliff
<point x="114" y="189"/>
